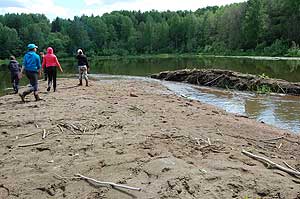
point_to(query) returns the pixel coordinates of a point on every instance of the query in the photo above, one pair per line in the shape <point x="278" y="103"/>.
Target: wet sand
<point x="139" y="134"/>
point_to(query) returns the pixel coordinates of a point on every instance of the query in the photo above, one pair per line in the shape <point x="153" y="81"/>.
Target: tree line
<point x="255" y="27"/>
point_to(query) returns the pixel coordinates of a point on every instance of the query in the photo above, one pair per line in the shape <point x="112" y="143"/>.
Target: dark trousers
<point x="15" y="80"/>
<point x="33" y="79"/>
<point x="52" y="73"/>
<point x="45" y="74"/>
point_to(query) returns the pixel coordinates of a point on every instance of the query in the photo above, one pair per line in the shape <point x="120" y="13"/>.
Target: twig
<point x="36" y="125"/>
<point x="44" y="134"/>
<point x="61" y="129"/>
<point x="75" y="127"/>
<point x="32" y="144"/>
<point x="92" y="143"/>
<point x="290" y="166"/>
<point x="208" y="141"/>
<point x="281" y="88"/>
<point x="273" y="139"/>
<point x="213" y="80"/>
<point x="271" y="164"/>
<point x="219" y="132"/>
<point x="31" y="134"/>
<point x="65" y="178"/>
<point x="136" y="108"/>
<point x="280" y="145"/>
<point x="108" y="183"/>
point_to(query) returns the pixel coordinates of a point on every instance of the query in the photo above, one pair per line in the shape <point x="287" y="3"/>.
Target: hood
<point x="50" y="50"/>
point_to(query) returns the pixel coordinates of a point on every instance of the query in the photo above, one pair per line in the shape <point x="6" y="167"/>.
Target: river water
<point x="278" y="110"/>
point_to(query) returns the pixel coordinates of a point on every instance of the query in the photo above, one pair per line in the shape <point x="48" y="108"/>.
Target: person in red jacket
<point x="51" y="63"/>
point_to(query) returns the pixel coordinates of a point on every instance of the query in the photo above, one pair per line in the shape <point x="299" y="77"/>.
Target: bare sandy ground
<point x="139" y="134"/>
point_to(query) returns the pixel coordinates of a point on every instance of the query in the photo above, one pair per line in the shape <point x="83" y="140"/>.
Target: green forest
<point x="255" y="27"/>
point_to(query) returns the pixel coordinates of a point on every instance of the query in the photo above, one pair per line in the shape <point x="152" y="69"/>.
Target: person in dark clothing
<point x="14" y="68"/>
<point x="31" y="66"/>
<point x="83" y="67"/>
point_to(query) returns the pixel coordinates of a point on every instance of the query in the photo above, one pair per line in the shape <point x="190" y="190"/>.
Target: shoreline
<point x="139" y="134"/>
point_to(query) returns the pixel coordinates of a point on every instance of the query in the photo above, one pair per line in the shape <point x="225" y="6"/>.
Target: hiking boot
<point x="80" y="83"/>
<point x="37" y="97"/>
<point x="54" y="89"/>
<point x="22" y="97"/>
<point x="48" y="89"/>
<point x="86" y="83"/>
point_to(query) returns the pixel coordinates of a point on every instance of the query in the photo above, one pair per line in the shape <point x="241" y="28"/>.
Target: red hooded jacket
<point x="50" y="59"/>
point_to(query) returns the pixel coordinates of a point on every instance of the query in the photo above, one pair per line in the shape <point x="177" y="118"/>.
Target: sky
<point x="71" y="8"/>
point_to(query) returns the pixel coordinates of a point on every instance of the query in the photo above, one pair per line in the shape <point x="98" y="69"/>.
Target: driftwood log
<point x="229" y="79"/>
<point x="272" y="165"/>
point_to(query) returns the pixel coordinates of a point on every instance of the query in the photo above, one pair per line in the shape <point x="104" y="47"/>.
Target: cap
<point x="31" y="46"/>
<point x="79" y="51"/>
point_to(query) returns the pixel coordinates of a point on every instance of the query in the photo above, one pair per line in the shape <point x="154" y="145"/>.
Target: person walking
<point x="50" y="63"/>
<point x="83" y="67"/>
<point x="14" y="68"/>
<point x="31" y="65"/>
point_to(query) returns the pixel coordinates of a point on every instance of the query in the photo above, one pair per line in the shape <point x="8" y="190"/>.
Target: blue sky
<point x="71" y="8"/>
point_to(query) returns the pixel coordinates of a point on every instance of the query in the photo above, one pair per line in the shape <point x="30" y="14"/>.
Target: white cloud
<point x="92" y="2"/>
<point x="99" y="7"/>
<point x="37" y="6"/>
<point x="146" y="5"/>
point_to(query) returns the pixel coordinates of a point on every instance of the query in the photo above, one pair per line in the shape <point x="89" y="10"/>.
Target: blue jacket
<point x="31" y="61"/>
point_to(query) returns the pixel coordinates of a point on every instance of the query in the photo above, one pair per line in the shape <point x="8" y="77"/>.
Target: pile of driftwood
<point x="230" y="80"/>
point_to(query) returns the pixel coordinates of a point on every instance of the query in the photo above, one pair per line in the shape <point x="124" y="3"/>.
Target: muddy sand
<point x="139" y="134"/>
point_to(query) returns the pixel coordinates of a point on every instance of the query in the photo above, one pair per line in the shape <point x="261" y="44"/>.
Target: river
<point x="278" y="110"/>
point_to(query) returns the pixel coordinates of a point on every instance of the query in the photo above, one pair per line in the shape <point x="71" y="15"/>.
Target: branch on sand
<point x="107" y="183"/>
<point x="271" y="165"/>
<point x="32" y="144"/>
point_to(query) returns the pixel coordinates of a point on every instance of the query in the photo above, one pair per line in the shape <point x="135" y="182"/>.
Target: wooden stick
<point x="281" y="88"/>
<point x="208" y="141"/>
<point x="108" y="183"/>
<point x="273" y="139"/>
<point x="65" y="178"/>
<point x="75" y="127"/>
<point x="271" y="164"/>
<point x="92" y="143"/>
<point x="290" y="166"/>
<point x="31" y="134"/>
<point x="44" y="134"/>
<point x="32" y="144"/>
<point x="213" y="80"/>
<point x="60" y="128"/>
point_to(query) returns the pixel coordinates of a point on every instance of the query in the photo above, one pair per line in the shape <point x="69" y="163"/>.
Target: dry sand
<point x="139" y="134"/>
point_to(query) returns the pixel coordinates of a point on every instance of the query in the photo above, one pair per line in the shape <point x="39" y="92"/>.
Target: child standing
<point x="83" y="67"/>
<point x="14" y="68"/>
<point x="50" y="62"/>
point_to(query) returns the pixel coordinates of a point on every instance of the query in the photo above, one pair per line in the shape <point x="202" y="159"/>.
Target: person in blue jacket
<point x="14" y="68"/>
<point x="31" y="66"/>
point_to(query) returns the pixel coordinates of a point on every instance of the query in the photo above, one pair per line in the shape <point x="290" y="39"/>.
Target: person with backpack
<point x="14" y="68"/>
